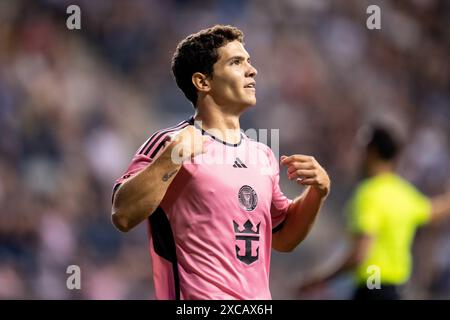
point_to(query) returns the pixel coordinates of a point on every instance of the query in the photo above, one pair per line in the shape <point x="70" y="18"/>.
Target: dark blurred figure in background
<point x="384" y="213"/>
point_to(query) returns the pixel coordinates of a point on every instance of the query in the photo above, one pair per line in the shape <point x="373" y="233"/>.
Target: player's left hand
<point x="308" y="172"/>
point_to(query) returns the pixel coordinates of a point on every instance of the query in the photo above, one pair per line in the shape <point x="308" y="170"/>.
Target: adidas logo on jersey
<point x="239" y="164"/>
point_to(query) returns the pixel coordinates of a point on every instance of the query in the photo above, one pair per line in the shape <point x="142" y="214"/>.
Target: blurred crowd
<point x="76" y="104"/>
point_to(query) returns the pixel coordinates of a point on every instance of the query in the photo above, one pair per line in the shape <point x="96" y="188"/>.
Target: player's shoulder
<point x="378" y="186"/>
<point x="256" y="144"/>
<point x="367" y="186"/>
<point x="157" y="139"/>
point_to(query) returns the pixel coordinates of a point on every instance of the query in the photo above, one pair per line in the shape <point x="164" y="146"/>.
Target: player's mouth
<point x="251" y="86"/>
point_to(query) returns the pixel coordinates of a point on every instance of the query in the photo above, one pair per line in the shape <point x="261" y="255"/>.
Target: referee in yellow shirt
<point x="383" y="215"/>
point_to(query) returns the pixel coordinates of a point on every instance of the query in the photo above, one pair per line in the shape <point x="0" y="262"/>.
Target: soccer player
<point x="212" y="222"/>
<point x="383" y="215"/>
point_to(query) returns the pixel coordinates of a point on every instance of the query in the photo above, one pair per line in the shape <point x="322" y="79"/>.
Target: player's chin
<point x="251" y="101"/>
<point x="248" y="100"/>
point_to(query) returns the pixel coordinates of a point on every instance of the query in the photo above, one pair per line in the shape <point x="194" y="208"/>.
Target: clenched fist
<point x="187" y="143"/>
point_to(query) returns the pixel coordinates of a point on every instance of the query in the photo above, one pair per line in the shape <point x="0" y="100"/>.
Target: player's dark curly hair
<point x="198" y="53"/>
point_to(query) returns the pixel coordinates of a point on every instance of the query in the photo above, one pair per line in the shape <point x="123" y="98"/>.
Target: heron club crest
<point x="247" y="198"/>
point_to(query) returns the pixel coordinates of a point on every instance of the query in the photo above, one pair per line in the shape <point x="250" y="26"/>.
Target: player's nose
<point x="251" y="72"/>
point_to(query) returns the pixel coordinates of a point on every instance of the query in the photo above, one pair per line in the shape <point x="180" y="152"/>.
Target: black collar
<point x="192" y="121"/>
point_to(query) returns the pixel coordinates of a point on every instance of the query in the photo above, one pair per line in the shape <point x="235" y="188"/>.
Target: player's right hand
<point x="188" y="143"/>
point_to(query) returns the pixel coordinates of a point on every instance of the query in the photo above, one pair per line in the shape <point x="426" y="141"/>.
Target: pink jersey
<point x="211" y="236"/>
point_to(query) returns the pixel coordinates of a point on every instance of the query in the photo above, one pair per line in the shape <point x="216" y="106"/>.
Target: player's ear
<point x="201" y="82"/>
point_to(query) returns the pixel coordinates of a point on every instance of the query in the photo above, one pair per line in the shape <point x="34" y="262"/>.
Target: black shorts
<point x="386" y="292"/>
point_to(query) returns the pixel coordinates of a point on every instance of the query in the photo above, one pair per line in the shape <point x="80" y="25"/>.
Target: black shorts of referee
<point x="385" y="292"/>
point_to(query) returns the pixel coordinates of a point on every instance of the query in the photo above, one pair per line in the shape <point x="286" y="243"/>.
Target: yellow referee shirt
<point x="389" y="209"/>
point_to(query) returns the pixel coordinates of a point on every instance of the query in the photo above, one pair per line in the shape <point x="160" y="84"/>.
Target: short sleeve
<point x="280" y="203"/>
<point x="363" y="214"/>
<point x="138" y="163"/>
<point x="146" y="153"/>
<point x="422" y="207"/>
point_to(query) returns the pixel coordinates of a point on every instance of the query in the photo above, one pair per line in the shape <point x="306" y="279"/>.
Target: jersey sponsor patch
<point x="248" y="235"/>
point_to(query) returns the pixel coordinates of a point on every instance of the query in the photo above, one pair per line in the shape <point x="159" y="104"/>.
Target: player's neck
<point x="381" y="167"/>
<point x="224" y="126"/>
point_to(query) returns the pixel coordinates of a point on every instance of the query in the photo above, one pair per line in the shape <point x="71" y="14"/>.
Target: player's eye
<point x="236" y="62"/>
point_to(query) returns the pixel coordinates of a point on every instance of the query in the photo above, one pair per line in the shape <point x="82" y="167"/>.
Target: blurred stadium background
<point x="75" y="105"/>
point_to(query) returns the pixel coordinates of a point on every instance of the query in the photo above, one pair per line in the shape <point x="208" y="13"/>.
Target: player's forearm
<point x="360" y="246"/>
<point x="138" y="197"/>
<point x="299" y="220"/>
<point x="349" y="263"/>
<point x="440" y="207"/>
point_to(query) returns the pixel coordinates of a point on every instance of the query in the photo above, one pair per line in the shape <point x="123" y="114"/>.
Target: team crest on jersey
<point x="247" y="198"/>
